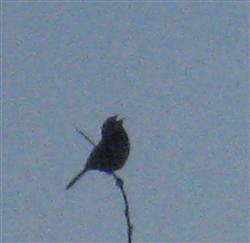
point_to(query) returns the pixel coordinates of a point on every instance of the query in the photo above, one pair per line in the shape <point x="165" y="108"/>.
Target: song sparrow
<point x="111" y="152"/>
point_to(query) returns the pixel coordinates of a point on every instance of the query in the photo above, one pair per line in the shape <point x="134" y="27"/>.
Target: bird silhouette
<point x="110" y="153"/>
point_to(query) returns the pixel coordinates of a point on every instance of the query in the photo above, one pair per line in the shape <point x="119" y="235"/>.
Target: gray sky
<point x="178" y="72"/>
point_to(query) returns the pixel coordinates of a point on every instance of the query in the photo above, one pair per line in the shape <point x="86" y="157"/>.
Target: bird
<point x="111" y="153"/>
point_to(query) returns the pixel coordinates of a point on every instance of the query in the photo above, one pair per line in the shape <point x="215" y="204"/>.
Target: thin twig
<point x="85" y="136"/>
<point x="120" y="184"/>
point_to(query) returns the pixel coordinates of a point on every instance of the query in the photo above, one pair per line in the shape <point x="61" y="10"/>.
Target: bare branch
<point x="120" y="183"/>
<point x="85" y="136"/>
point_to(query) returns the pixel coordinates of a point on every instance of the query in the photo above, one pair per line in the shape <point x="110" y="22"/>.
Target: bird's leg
<point x="85" y="136"/>
<point x="118" y="180"/>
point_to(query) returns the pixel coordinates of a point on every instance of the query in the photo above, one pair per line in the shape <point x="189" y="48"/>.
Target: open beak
<point x="121" y="120"/>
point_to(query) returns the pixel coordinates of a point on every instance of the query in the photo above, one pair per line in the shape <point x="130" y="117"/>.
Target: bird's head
<point x="112" y="125"/>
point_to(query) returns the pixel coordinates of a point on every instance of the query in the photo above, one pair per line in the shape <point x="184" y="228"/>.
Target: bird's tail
<point x="76" y="178"/>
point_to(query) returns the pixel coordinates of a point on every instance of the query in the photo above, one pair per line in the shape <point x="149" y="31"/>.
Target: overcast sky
<point x="178" y="72"/>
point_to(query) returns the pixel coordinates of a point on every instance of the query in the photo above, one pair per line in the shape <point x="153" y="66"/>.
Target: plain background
<point x="178" y="72"/>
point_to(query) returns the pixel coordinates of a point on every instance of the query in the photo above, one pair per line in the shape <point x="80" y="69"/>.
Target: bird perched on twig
<point x="110" y="153"/>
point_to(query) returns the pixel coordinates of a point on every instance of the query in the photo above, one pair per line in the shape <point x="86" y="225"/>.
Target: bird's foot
<point x="119" y="182"/>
